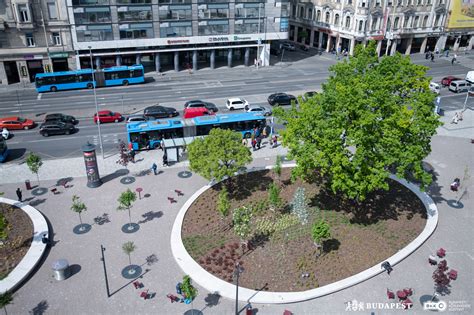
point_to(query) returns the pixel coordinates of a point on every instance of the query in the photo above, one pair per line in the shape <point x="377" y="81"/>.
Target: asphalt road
<point x="302" y="73"/>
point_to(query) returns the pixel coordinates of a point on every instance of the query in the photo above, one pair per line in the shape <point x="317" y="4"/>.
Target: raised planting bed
<point x="286" y="259"/>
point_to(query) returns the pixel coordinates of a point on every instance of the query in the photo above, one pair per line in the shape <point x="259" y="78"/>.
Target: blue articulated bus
<point x="148" y="134"/>
<point x="82" y="79"/>
<point x="3" y="150"/>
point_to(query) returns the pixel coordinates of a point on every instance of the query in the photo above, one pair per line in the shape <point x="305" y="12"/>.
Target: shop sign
<point x="242" y="38"/>
<point x="178" y="41"/>
<point x="59" y="55"/>
<point x="219" y="39"/>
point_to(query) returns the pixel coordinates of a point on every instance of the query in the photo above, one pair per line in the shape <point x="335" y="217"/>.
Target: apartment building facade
<point x="34" y="37"/>
<point x="406" y="26"/>
<point x="176" y="34"/>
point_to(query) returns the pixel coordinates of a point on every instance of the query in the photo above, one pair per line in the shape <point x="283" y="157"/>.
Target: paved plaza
<point x="85" y="291"/>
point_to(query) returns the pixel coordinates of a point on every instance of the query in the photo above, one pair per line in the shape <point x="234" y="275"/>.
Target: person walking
<point x="454" y="59"/>
<point x="154" y="168"/>
<point x="132" y="155"/>
<point x="259" y="142"/>
<point x="19" y="194"/>
<point x="254" y="144"/>
<point x="165" y="159"/>
<point x="432" y="57"/>
<point x="275" y="141"/>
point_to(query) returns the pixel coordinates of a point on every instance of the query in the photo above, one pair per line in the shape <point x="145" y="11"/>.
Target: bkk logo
<point x="435" y="306"/>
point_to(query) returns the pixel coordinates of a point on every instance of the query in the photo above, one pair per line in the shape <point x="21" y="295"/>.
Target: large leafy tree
<point x="218" y="155"/>
<point x="374" y="116"/>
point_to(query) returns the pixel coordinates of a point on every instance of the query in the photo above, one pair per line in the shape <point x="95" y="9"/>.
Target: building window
<point x="89" y="2"/>
<point x="395" y="24"/>
<point x="348" y="21"/>
<point x="52" y="11"/>
<point x="57" y="39"/>
<point x="86" y="33"/>
<point x="377" y="4"/>
<point x="419" y="2"/>
<point x="428" y="2"/>
<point x="425" y="21"/>
<point x="284" y="10"/>
<point x="336" y="20"/>
<point x="327" y="17"/>
<point x="134" y="13"/>
<point x="23" y="13"/>
<point x="135" y="31"/>
<point x="176" y="29"/>
<point x="248" y="10"/>
<point x="363" y="3"/>
<point x="374" y="24"/>
<point x="301" y="12"/>
<point x="133" y="1"/>
<point x="248" y="26"/>
<point x="30" y="40"/>
<point x="361" y="25"/>
<point x="92" y="15"/>
<point x="415" y="22"/>
<point x="293" y="10"/>
<point x="436" y="22"/>
<point x="405" y="21"/>
<point x="213" y="27"/>
<point x="318" y="16"/>
<point x="175" y="1"/>
<point x="310" y="14"/>
<point x="217" y="11"/>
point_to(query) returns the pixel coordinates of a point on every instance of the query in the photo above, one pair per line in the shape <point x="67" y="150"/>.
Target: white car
<point x="435" y="87"/>
<point x="236" y="103"/>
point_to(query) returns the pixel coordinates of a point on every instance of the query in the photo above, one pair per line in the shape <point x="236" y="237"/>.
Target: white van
<point x="459" y="86"/>
<point x="470" y="77"/>
<point x="434" y="87"/>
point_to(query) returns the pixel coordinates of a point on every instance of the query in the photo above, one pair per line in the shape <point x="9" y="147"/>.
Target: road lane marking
<point x="39" y="96"/>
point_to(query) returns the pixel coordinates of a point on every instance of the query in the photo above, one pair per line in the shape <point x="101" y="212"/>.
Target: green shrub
<point x="274" y="195"/>
<point x="223" y="203"/>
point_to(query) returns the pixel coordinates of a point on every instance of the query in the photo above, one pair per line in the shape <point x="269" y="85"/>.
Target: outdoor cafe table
<point x="401" y="294"/>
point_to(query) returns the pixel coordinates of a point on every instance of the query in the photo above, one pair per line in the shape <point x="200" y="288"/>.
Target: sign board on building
<point x="59" y="55"/>
<point x="462" y="14"/>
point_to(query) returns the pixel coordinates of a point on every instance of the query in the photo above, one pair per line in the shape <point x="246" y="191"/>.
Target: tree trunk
<point x="37" y="176"/>
<point x="80" y="219"/>
<point x="129" y="259"/>
<point x="129" y="216"/>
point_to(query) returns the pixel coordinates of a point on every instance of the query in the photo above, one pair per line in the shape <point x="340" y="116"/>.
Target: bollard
<point x="28" y="185"/>
<point x="61" y="269"/>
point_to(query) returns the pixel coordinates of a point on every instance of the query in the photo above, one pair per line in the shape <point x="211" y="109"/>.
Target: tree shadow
<point x="102" y="219"/>
<point x="144" y="172"/>
<point x="114" y="175"/>
<point x="246" y="184"/>
<point x="40" y="308"/>
<point x="258" y="240"/>
<point x="151" y="260"/>
<point x="150" y="215"/>
<point x="331" y="245"/>
<point x="36" y="202"/>
<point x="63" y="182"/>
<point x="212" y="299"/>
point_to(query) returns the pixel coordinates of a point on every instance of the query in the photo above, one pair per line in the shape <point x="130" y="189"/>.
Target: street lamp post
<point x="238" y="270"/>
<point x="259" y="41"/>
<point x="45" y="36"/>
<point x="96" y="105"/>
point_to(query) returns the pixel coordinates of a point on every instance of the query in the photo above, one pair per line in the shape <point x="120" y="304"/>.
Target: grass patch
<point x="199" y="245"/>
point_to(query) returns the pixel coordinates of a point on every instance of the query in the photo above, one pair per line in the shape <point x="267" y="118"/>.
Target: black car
<point x="56" y="127"/>
<point x="281" y="99"/>
<point x="61" y="117"/>
<point x="157" y="111"/>
<point x="198" y="103"/>
<point x="309" y="94"/>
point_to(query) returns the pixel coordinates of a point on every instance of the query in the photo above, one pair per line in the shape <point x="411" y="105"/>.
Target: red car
<point x="446" y="81"/>
<point x="106" y="116"/>
<point x="16" y="123"/>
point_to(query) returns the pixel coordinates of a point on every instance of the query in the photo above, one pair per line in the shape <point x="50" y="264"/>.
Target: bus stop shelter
<point x="175" y="149"/>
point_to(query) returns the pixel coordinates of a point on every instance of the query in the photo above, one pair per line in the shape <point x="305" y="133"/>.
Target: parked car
<point x="61" y="117"/>
<point x="16" y="123"/>
<point x="435" y="88"/>
<point x="106" y="116"/>
<point x="281" y="99"/>
<point x="236" y="103"/>
<point x="446" y="81"/>
<point x="470" y="77"/>
<point x="192" y="112"/>
<point x="158" y="111"/>
<point x="258" y="109"/>
<point x="199" y="103"/>
<point x="288" y="46"/>
<point x="136" y="118"/>
<point x="459" y="86"/>
<point x="309" y="95"/>
<point x="56" y="127"/>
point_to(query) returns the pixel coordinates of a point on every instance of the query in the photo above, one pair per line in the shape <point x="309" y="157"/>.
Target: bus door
<point x="189" y="129"/>
<point x="99" y="78"/>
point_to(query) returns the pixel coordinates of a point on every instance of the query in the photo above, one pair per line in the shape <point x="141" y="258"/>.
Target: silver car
<point x="136" y="118"/>
<point x="258" y="109"/>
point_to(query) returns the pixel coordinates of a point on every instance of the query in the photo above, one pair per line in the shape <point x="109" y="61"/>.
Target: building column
<point x="471" y="43"/>
<point x="195" y="60"/>
<point x="247" y="56"/>
<point x="394" y="47"/>
<point x="423" y="45"/>
<point x="78" y="61"/>
<point x="456" y="44"/>
<point x="320" y="40"/>
<point x="351" y="47"/>
<point x="157" y="62"/>
<point x="328" y="47"/>
<point x="441" y="43"/>
<point x="176" y="61"/>
<point x="3" y="74"/>
<point x="213" y="58"/>
<point x="295" y="34"/>
<point x="266" y="55"/>
<point x="229" y="58"/>
<point x="118" y="60"/>
<point x="338" y="44"/>
<point x="311" y="38"/>
<point x="97" y="62"/>
<point x="138" y="59"/>
<point x="379" y="47"/>
<point x="408" y="51"/>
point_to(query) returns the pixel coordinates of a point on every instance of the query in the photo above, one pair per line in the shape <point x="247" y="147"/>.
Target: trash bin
<point x="28" y="185"/>
<point x="61" y="269"/>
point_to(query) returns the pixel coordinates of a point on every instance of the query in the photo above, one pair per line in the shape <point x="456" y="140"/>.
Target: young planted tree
<point x="241" y="222"/>
<point x="124" y="156"/>
<point x="320" y="231"/>
<point x="218" y="155"/>
<point x="223" y="203"/>
<point x="277" y="167"/>
<point x="126" y="200"/>
<point x="189" y="291"/>
<point x="373" y="117"/>
<point x="274" y="198"/>
<point x="6" y="298"/>
<point x="34" y="164"/>
<point x="128" y="248"/>
<point x="299" y="205"/>
<point x="78" y="206"/>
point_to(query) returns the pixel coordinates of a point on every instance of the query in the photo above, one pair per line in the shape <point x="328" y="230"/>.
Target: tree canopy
<point x="374" y="116"/>
<point x="218" y="155"/>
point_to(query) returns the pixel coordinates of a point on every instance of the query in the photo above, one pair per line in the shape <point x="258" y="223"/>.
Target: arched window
<point x="405" y="21"/>
<point x="318" y="15"/>
<point x="425" y="21"/>
<point x="416" y="21"/>
<point x="361" y="25"/>
<point x="348" y="21"/>
<point x="327" y="17"/>
<point x="336" y="20"/>
<point x="374" y="24"/>
<point x="395" y="24"/>
<point x="389" y="24"/>
<point x="301" y="12"/>
<point x="310" y="14"/>
<point x="436" y="22"/>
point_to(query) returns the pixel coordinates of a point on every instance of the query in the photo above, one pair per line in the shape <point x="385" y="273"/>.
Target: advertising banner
<point x="462" y="14"/>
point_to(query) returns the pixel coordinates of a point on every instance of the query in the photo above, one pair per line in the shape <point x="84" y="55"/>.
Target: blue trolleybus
<point x="82" y="79"/>
<point x="3" y="150"/>
<point x="148" y="135"/>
